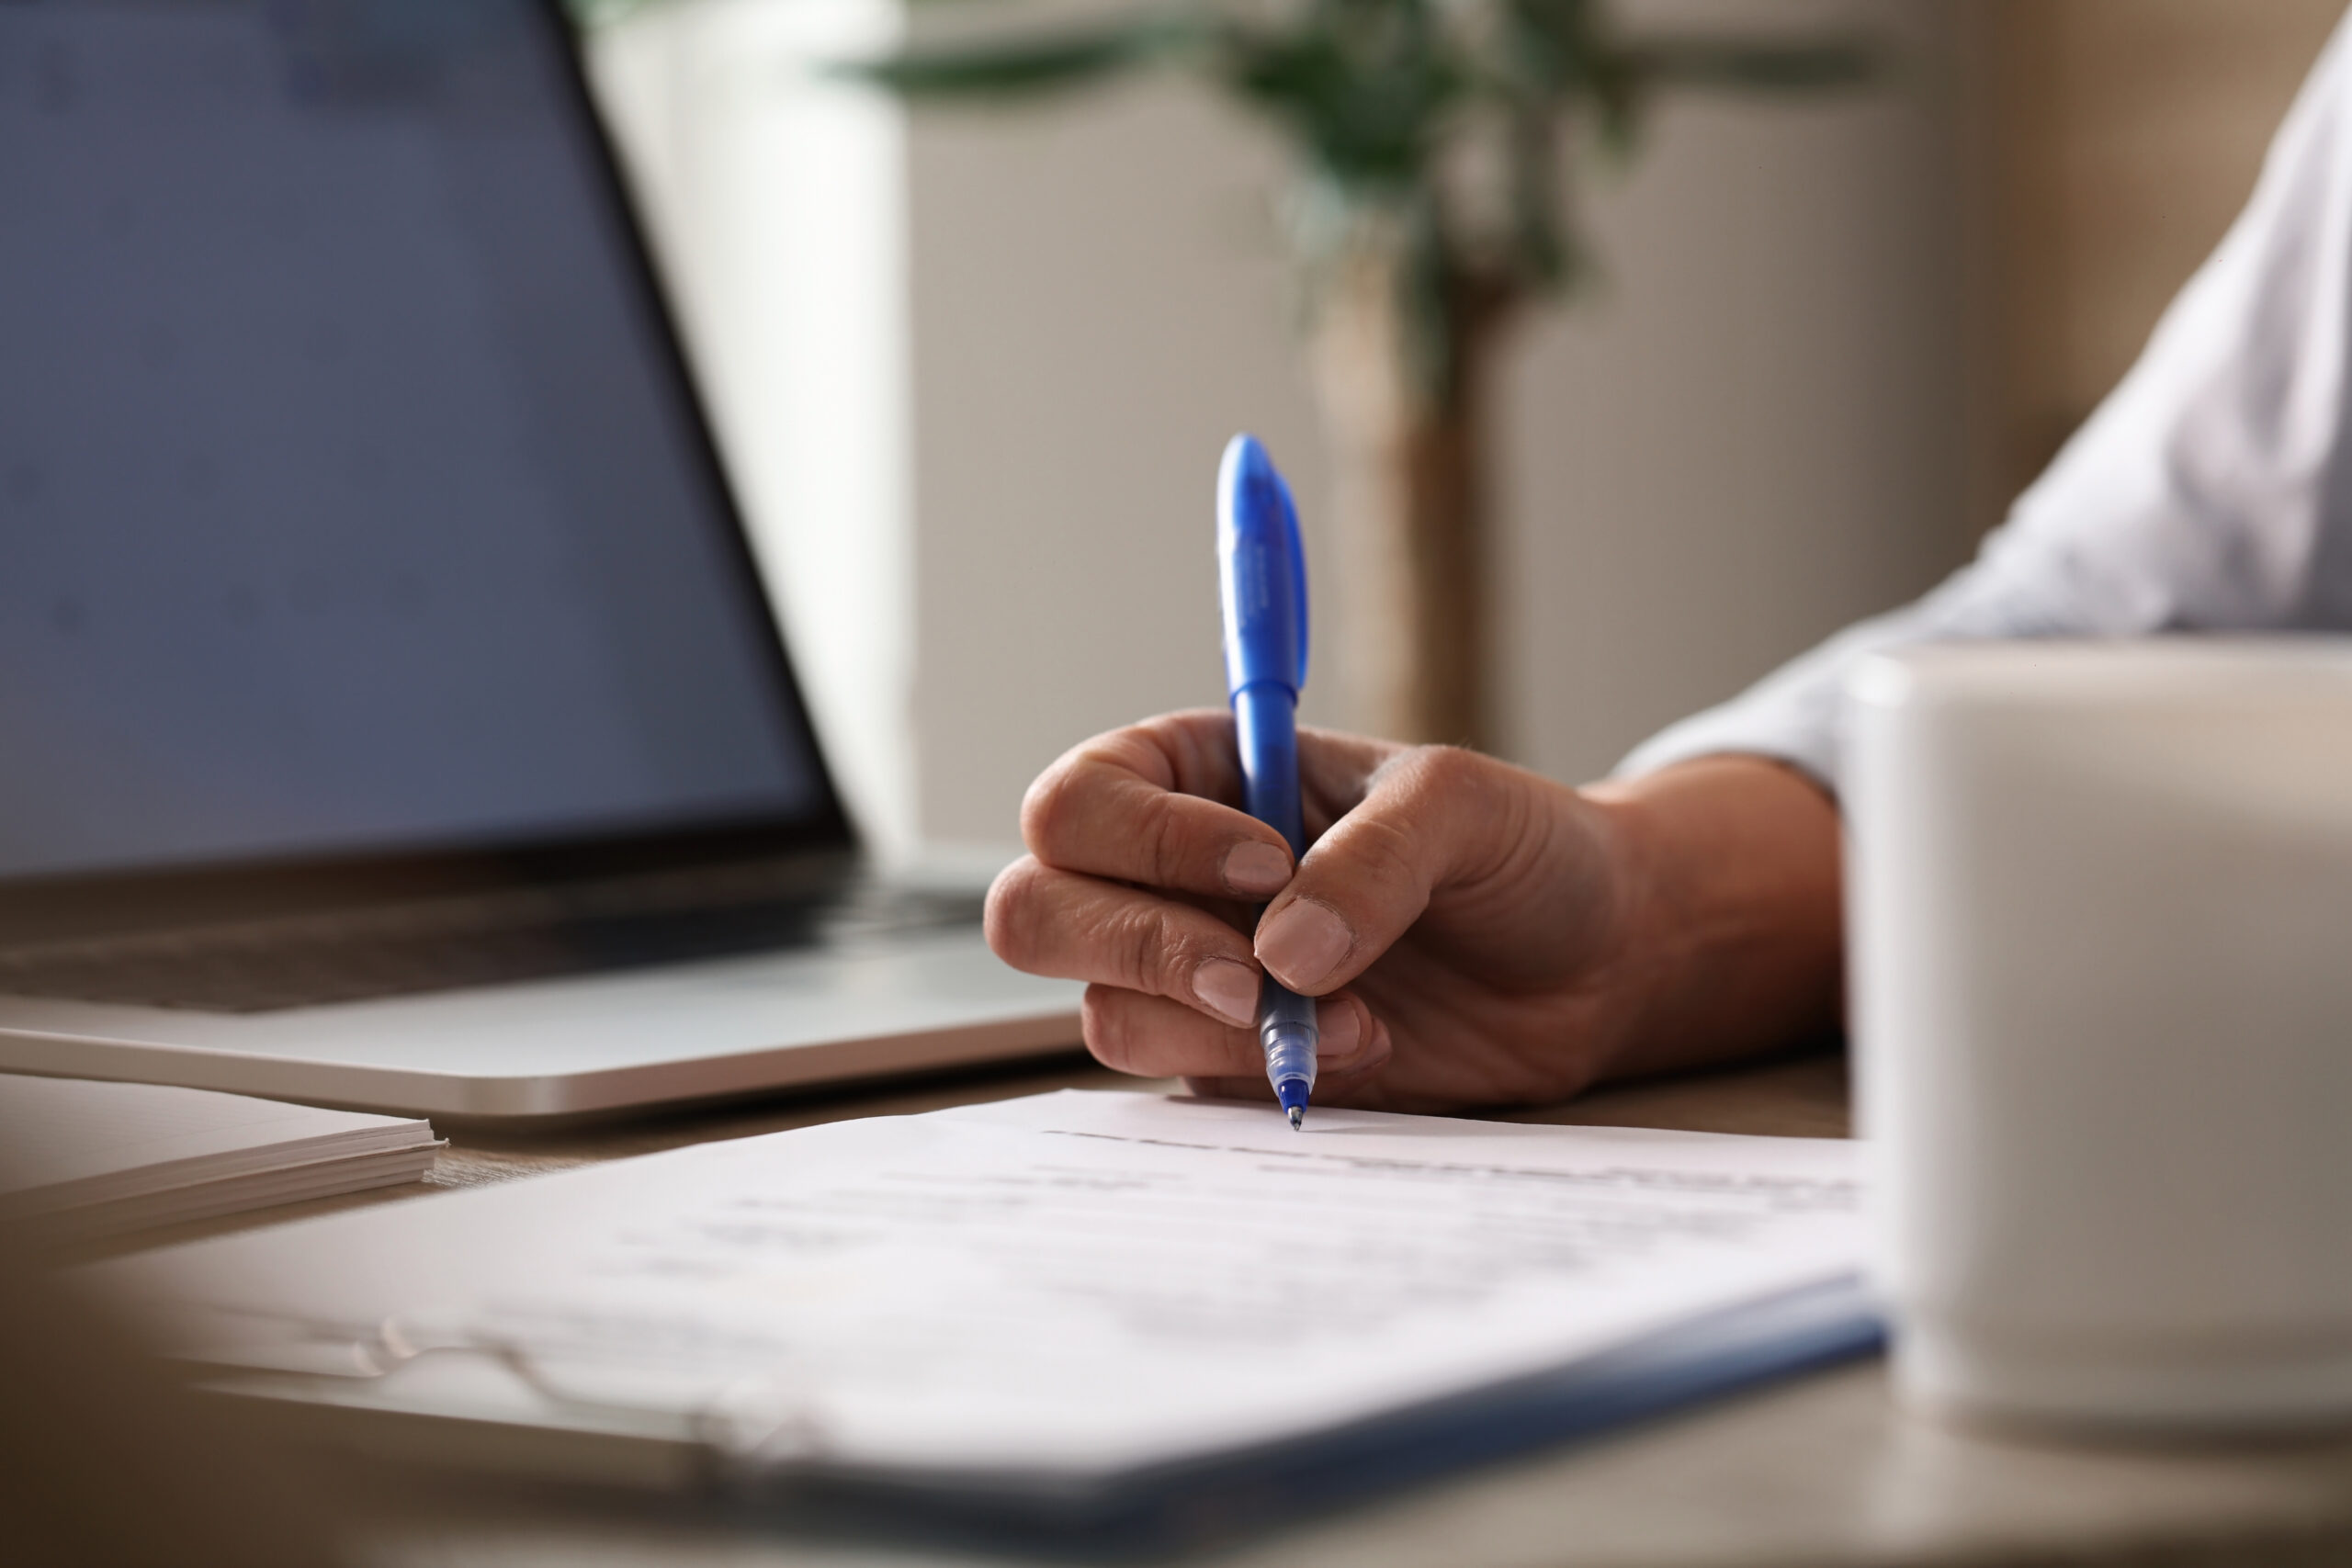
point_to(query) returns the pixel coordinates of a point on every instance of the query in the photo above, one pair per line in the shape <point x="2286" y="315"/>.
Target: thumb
<point x="1430" y="816"/>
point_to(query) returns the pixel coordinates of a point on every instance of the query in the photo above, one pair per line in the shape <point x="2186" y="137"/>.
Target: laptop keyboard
<point x="494" y="939"/>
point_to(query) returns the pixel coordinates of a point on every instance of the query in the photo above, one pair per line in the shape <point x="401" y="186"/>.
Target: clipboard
<point x="1044" y="1320"/>
<point x="484" y="1412"/>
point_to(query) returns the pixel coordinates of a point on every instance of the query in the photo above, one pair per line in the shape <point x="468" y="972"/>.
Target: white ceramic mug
<point x="2099" y="917"/>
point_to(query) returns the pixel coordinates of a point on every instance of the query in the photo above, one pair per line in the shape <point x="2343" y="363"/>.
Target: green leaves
<point x="1366" y="86"/>
<point x="1431" y="131"/>
<point x="1387" y="103"/>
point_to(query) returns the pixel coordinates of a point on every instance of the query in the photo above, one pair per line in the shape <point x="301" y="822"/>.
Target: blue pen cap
<point x="1261" y="571"/>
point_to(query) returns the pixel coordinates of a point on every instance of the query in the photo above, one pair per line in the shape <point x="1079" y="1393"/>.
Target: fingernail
<point x="1340" y="1032"/>
<point x="1256" y="868"/>
<point x="1227" y="989"/>
<point x="1302" y="942"/>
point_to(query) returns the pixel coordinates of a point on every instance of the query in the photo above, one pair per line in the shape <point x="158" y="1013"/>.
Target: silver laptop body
<point x="389" y="713"/>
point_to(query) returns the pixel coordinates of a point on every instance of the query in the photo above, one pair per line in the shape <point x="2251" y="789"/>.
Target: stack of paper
<point x="1108" y="1312"/>
<point x="94" y="1158"/>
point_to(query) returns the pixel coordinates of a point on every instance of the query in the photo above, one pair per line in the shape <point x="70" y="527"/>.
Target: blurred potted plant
<point x="1428" y="207"/>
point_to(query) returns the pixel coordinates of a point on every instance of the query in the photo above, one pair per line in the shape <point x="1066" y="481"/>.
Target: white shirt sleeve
<point x="2200" y="496"/>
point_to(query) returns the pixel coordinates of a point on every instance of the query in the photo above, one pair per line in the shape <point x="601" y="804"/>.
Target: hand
<point x="1478" y="935"/>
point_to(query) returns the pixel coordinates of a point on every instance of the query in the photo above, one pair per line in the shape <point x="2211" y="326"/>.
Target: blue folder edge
<point x="1200" y="1503"/>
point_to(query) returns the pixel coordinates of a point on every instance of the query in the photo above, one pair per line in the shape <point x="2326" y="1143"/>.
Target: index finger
<point x="1136" y="804"/>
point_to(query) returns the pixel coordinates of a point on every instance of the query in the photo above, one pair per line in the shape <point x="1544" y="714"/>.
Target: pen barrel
<point x="1265" y="728"/>
<point x="1286" y="1030"/>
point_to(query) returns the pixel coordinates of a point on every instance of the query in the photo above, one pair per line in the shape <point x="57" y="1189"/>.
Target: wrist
<point x="1730" y="911"/>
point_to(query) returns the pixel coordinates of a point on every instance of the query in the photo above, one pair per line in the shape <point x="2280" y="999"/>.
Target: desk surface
<point x="1822" y="1471"/>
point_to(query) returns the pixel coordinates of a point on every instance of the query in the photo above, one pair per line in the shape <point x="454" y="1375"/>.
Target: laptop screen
<point x="351" y="500"/>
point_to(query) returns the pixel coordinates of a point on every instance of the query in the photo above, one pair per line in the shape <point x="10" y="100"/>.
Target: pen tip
<point x="1297" y="1117"/>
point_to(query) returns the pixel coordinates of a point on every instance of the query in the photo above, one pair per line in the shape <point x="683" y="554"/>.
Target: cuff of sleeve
<point x="1730" y="730"/>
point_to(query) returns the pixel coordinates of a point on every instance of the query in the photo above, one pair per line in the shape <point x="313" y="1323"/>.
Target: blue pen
<point x="1261" y="578"/>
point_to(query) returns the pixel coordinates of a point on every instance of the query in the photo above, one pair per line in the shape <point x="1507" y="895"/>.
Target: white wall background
<point x="779" y="204"/>
<point x="1750" y="432"/>
<point x="1759" y="429"/>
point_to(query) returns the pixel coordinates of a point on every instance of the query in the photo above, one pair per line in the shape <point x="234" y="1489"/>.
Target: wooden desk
<point x="1819" y="1472"/>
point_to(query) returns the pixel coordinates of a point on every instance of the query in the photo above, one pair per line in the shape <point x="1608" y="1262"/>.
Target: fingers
<point x="1135" y="805"/>
<point x="1429" y="815"/>
<point x="1056" y="922"/>
<point x="1153" y="1037"/>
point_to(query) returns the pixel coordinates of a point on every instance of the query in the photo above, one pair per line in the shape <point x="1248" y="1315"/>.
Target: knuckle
<point x="1387" y="853"/>
<point x="1162" y="839"/>
<point x="1142" y="749"/>
<point x="1155" y="955"/>
<point x="1010" y="916"/>
<point x="1053" y="801"/>
<point x="1140" y="939"/>
<point x="1446" y="771"/>
<point x="1427" y="795"/>
<point x="1200" y="743"/>
<point x="1105" y="1019"/>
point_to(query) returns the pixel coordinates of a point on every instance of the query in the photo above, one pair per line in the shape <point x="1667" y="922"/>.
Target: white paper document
<point x="1077" y="1283"/>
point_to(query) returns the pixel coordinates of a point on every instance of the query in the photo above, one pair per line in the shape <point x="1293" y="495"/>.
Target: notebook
<point x="82" y="1157"/>
<point x="1100" y="1316"/>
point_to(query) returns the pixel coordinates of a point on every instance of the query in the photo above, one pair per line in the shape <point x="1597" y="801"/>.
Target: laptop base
<point x="553" y="1051"/>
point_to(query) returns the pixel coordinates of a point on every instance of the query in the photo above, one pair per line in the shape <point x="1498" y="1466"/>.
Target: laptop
<point x="390" y="712"/>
